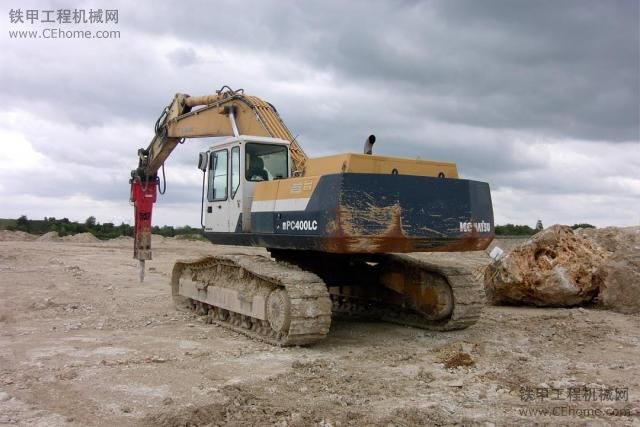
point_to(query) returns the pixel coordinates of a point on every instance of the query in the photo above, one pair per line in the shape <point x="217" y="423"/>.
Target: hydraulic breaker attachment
<point x="143" y="196"/>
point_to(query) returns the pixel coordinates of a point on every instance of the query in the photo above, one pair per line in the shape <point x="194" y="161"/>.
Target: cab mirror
<point x="202" y="161"/>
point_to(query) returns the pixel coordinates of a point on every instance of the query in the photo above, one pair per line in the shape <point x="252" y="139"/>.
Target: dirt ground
<point x="82" y="342"/>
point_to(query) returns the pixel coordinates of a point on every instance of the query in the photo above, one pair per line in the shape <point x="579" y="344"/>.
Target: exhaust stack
<point x="368" y="144"/>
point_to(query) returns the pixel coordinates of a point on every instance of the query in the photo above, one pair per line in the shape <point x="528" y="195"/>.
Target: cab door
<point x="217" y="204"/>
<point x="235" y="191"/>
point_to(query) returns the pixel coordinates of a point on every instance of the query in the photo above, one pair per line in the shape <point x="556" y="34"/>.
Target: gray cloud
<point x="182" y="57"/>
<point x="538" y="98"/>
<point x="568" y="68"/>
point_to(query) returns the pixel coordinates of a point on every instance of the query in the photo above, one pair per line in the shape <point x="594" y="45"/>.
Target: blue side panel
<point x="427" y="207"/>
<point x="429" y="211"/>
<point x="262" y="222"/>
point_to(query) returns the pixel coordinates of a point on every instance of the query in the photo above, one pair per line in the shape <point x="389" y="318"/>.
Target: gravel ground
<point x="83" y="343"/>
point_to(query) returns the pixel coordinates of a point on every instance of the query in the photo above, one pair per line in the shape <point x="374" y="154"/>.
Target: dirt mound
<point x="244" y="405"/>
<point x="157" y="239"/>
<point x="16" y="236"/>
<point x="122" y="239"/>
<point x="553" y="268"/>
<point x="432" y="416"/>
<point x="82" y="238"/>
<point x="51" y="236"/>
<point x="187" y="416"/>
<point x="459" y="359"/>
<point x="455" y="355"/>
<point x="237" y="407"/>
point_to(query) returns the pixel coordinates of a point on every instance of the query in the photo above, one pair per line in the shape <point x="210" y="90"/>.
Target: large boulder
<point x="621" y="288"/>
<point x="611" y="239"/>
<point x="553" y="268"/>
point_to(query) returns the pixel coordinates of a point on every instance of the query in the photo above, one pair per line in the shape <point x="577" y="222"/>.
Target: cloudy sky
<point x="539" y="98"/>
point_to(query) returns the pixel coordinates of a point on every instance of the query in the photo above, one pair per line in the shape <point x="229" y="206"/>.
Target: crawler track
<point x="357" y="290"/>
<point x="464" y="279"/>
<point x="266" y="300"/>
<point x="290" y="301"/>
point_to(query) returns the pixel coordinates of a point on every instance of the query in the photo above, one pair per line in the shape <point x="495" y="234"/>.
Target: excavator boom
<point x="225" y="113"/>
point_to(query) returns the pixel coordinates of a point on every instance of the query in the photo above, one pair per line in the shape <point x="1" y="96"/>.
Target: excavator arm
<point x="225" y="113"/>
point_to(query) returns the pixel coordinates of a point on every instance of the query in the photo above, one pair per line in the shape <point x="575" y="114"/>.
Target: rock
<point x="610" y="239"/>
<point x="621" y="291"/>
<point x="621" y="288"/>
<point x="4" y="396"/>
<point x="553" y="268"/>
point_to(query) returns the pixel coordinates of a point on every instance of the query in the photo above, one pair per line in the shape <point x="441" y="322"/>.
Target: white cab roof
<point x="248" y="138"/>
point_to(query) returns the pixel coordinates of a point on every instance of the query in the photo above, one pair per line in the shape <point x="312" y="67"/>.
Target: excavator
<point x="339" y="229"/>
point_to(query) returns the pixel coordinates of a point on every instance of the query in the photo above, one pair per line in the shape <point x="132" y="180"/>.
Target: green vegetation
<point x="107" y="230"/>
<point x="584" y="225"/>
<point x="514" y="230"/>
<point x="199" y="236"/>
<point x="525" y="230"/>
<point x="6" y="224"/>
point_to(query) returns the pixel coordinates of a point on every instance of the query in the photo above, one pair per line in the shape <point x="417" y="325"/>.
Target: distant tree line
<point x="514" y="230"/>
<point x="107" y="230"/>
<point x="582" y="225"/>
<point x="525" y="230"/>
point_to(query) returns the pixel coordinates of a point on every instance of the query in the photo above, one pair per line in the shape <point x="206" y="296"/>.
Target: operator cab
<point x="233" y="167"/>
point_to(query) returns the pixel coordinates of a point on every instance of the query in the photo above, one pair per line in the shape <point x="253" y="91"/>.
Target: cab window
<point x="218" y="176"/>
<point x="266" y="162"/>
